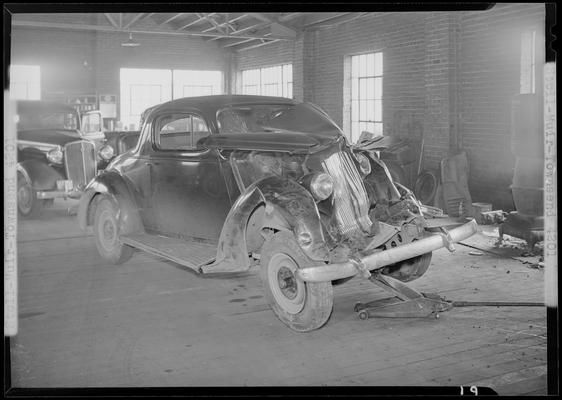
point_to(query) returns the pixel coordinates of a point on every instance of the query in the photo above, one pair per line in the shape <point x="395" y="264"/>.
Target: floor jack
<point x="409" y="303"/>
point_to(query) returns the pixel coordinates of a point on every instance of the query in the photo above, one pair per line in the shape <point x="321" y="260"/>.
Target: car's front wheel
<point x="300" y="305"/>
<point x="29" y="206"/>
<point x="106" y="234"/>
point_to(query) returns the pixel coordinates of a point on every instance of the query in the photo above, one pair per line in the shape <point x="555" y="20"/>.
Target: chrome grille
<point x="351" y="203"/>
<point x="80" y="162"/>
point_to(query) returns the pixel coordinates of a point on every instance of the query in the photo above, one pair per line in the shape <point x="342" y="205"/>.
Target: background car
<point x="57" y="153"/>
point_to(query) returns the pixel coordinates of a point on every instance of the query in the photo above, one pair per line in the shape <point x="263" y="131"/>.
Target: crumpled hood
<point x="50" y="136"/>
<point x="292" y="142"/>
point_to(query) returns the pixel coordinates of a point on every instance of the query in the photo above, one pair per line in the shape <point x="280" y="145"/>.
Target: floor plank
<point x="150" y="322"/>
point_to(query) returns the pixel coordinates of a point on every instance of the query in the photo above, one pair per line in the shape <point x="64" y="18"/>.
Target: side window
<point x="180" y="132"/>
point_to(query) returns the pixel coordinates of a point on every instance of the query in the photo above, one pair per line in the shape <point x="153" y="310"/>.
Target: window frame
<point x="355" y="78"/>
<point x="284" y="85"/>
<point x="156" y="128"/>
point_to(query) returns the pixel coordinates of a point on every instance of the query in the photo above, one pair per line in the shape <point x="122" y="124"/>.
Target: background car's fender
<point x="41" y="175"/>
<point x="281" y="204"/>
<point x="117" y="189"/>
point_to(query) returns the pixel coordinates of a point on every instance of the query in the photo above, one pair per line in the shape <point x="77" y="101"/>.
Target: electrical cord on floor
<point x="496" y="304"/>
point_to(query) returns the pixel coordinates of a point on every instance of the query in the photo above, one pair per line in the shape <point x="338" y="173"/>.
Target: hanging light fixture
<point x="130" y="42"/>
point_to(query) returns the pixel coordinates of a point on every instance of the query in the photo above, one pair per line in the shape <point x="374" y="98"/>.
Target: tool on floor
<point x="409" y="303"/>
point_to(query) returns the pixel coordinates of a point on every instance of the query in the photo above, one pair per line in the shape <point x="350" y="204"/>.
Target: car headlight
<point x="55" y="156"/>
<point x="321" y="186"/>
<point x="106" y="152"/>
<point x="364" y="163"/>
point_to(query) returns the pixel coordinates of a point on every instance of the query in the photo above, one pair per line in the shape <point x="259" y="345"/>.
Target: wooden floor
<point x="149" y="322"/>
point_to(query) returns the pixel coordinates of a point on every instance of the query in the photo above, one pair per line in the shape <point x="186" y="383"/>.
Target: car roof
<point x="44" y="105"/>
<point x="212" y="103"/>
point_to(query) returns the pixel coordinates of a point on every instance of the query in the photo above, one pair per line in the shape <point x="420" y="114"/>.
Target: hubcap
<point x="24" y="198"/>
<point x="288" y="291"/>
<point x="107" y="232"/>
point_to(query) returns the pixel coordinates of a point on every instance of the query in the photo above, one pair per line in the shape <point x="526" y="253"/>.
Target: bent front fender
<point x="288" y="206"/>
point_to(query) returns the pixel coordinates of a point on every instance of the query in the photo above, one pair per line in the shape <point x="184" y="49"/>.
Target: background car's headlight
<point x="321" y="186"/>
<point x="106" y="152"/>
<point x="364" y="163"/>
<point x="55" y="156"/>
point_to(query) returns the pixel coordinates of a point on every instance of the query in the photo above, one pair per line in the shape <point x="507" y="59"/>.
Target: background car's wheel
<point x="106" y="234"/>
<point x="29" y="206"/>
<point x="409" y="270"/>
<point x="301" y="306"/>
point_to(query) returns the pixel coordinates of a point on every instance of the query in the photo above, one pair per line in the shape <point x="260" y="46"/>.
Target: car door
<point x="189" y="197"/>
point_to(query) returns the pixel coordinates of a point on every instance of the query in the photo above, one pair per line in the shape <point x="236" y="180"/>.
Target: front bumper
<point x="56" y="194"/>
<point x="370" y="262"/>
<point x="64" y="189"/>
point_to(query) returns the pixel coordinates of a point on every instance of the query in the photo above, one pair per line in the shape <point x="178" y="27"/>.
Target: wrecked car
<point x="224" y="183"/>
<point x="57" y="153"/>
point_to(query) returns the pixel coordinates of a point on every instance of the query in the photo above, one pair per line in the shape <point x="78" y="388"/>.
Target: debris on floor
<point x="487" y="240"/>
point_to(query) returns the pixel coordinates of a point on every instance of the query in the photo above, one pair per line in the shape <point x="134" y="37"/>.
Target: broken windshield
<point x="276" y="118"/>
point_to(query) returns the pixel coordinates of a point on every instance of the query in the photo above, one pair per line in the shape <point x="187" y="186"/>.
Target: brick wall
<point x="490" y="64"/>
<point x="447" y="76"/>
<point x="400" y="36"/>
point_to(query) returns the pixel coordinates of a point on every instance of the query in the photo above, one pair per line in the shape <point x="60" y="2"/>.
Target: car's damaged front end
<point x="351" y="217"/>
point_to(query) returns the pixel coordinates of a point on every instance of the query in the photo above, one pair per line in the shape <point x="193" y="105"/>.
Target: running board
<point x="190" y="254"/>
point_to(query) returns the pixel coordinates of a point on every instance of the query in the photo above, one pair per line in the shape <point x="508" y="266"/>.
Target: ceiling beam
<point x="267" y="35"/>
<point x="258" y="45"/>
<point x="237" y="43"/>
<point x="211" y="21"/>
<point x="325" y="19"/>
<point x="261" y="17"/>
<point x="171" y="18"/>
<point x="133" y="20"/>
<point x="199" y="19"/>
<point x="111" y="20"/>
<point x="339" y="20"/>
<point x="290" y="16"/>
<point x="228" y="23"/>
<point x="246" y="29"/>
<point x="100" y="28"/>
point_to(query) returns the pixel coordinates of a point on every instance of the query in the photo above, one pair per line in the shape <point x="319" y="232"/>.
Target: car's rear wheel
<point x="29" y="206"/>
<point x="409" y="270"/>
<point x="106" y="234"/>
<point x="302" y="306"/>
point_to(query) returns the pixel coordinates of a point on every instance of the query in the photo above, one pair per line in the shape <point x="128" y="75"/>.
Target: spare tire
<point x="425" y="187"/>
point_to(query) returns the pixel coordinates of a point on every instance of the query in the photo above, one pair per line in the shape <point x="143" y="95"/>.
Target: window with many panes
<point x="144" y="88"/>
<point x="25" y="82"/>
<point x="366" y="94"/>
<point x="270" y="81"/>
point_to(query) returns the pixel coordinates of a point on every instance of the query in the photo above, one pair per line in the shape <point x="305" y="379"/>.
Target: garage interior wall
<point x="91" y="61"/>
<point x="449" y="77"/>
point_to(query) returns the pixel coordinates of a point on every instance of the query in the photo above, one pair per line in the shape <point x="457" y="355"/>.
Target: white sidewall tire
<point x="312" y="305"/>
